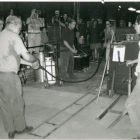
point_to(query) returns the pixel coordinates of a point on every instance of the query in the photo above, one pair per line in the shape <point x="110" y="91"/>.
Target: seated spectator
<point x="44" y="38"/>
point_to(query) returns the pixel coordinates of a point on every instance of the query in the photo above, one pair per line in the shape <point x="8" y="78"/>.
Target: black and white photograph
<point x="70" y="69"/>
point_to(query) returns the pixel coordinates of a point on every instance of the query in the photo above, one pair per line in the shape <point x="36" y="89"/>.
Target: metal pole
<point x="129" y="81"/>
<point x="105" y="69"/>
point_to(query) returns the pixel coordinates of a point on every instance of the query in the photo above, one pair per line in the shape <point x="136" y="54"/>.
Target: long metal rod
<point x="102" y="80"/>
<point x="105" y="69"/>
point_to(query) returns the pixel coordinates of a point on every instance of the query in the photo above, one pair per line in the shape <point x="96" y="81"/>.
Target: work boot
<point x="27" y="129"/>
<point x="66" y="79"/>
<point x="11" y="135"/>
<point x="73" y="78"/>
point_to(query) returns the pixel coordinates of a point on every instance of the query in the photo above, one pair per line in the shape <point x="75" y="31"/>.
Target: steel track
<point x="55" y="115"/>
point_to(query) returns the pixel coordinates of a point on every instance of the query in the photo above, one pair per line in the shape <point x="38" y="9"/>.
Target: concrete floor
<point x="41" y="104"/>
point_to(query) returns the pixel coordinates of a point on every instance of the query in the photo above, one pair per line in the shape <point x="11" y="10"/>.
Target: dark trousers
<point x="66" y="64"/>
<point x="11" y="102"/>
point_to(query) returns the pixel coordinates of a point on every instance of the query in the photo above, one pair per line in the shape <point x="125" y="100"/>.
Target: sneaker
<point x="27" y="129"/>
<point x="11" y="135"/>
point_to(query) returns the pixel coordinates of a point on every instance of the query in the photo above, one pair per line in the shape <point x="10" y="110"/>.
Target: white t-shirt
<point x="11" y="47"/>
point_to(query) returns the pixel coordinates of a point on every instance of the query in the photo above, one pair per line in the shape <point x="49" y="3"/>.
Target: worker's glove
<point x="136" y="74"/>
<point x="36" y="65"/>
<point x="137" y="70"/>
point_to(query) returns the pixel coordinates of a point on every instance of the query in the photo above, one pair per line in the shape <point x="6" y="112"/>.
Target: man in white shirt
<point x="11" y="101"/>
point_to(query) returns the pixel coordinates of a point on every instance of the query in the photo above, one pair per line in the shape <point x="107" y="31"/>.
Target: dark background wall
<point x="88" y="10"/>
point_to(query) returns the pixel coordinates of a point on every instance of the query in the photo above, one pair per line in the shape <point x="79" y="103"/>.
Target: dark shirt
<point x="64" y="21"/>
<point x="67" y="35"/>
<point x="94" y="34"/>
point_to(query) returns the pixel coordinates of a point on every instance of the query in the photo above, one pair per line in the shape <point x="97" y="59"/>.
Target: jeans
<point x="66" y="64"/>
<point x="133" y="105"/>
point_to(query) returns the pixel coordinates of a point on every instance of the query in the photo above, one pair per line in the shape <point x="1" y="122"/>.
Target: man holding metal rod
<point x="11" y="101"/>
<point x="66" y="57"/>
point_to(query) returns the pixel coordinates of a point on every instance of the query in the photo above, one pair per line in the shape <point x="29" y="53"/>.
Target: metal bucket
<point x="50" y="67"/>
<point x="39" y="74"/>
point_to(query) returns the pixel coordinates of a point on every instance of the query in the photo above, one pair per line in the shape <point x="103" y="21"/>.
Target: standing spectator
<point x="94" y="39"/>
<point x="56" y="18"/>
<point x="66" y="57"/>
<point x="11" y="13"/>
<point x="65" y="19"/>
<point x="44" y="37"/>
<point x="109" y="33"/>
<point x="11" y="101"/>
<point x="34" y="36"/>
<point x="23" y="23"/>
<point x="133" y="102"/>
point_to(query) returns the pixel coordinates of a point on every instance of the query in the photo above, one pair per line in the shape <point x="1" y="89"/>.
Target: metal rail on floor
<point x="109" y="109"/>
<point x="69" y="117"/>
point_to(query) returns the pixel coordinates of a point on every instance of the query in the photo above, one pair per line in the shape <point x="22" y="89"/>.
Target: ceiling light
<point x="119" y="6"/>
<point x="138" y="11"/>
<point x="102" y="1"/>
<point x="131" y="9"/>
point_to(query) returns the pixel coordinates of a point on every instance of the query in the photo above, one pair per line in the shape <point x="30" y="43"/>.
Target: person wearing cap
<point x="56" y="19"/>
<point x="34" y="24"/>
<point x="11" y="100"/>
